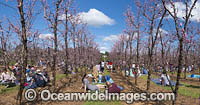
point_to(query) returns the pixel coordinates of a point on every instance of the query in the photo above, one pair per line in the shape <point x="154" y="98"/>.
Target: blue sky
<point x="105" y="18"/>
<point x="114" y="9"/>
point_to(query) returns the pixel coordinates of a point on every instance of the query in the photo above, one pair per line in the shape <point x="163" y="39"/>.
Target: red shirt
<point x="110" y="63"/>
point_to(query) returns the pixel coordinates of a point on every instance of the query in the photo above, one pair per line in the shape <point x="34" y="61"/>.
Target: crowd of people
<point x="97" y="78"/>
<point x="172" y="68"/>
<point x="110" y="85"/>
<point x="33" y="77"/>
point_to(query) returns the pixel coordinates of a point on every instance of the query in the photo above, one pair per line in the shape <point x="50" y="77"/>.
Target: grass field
<point x="184" y="89"/>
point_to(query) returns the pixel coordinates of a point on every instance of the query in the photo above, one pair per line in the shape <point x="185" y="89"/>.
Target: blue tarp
<point x="145" y="71"/>
<point x="194" y="76"/>
<point x="157" y="81"/>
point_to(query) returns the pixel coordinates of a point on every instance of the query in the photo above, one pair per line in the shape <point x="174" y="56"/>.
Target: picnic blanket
<point x="194" y="76"/>
<point x="157" y="81"/>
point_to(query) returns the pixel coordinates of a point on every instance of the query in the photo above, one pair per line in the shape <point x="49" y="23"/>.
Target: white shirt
<point x="102" y="63"/>
<point x="133" y="66"/>
<point x="6" y="76"/>
<point x="165" y="78"/>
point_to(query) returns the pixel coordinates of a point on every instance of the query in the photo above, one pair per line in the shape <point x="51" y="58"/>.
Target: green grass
<point x="189" y="90"/>
<point x="106" y="72"/>
<point x="60" y="76"/>
<point x="184" y="89"/>
<point x="182" y="74"/>
<point x="3" y="89"/>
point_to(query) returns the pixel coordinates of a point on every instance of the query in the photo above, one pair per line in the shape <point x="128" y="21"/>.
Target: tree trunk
<point x="138" y="61"/>
<point x="24" y="51"/>
<point x="179" y="68"/>
<point x="149" y="72"/>
<point x="55" y="43"/>
<point x="66" y="42"/>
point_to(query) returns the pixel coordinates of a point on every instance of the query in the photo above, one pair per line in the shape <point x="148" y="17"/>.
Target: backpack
<point x="39" y="80"/>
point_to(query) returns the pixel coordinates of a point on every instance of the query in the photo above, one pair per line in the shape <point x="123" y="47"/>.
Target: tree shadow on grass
<point x="192" y="86"/>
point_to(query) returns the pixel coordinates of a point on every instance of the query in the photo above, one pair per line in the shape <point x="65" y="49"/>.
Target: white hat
<point x="38" y="70"/>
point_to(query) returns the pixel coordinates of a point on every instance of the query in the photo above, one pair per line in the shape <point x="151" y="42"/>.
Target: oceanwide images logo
<point x="30" y="95"/>
<point x="46" y="95"/>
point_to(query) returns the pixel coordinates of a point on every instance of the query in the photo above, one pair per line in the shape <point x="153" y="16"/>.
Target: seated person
<point x="5" y="77"/>
<point x="113" y="88"/>
<point x="30" y="82"/>
<point x="8" y="79"/>
<point x="12" y="77"/>
<point x="33" y="70"/>
<point x="45" y="74"/>
<point x="165" y="79"/>
<point x="28" y="69"/>
<point x="12" y="80"/>
<point x="88" y="86"/>
<point x="40" y="79"/>
<point x="139" y="72"/>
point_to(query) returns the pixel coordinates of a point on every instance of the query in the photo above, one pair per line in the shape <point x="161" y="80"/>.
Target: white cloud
<point x="104" y="49"/>
<point x="95" y="17"/>
<point x="46" y="36"/>
<point x="117" y="37"/>
<point x="180" y="6"/>
<point x="111" y="38"/>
